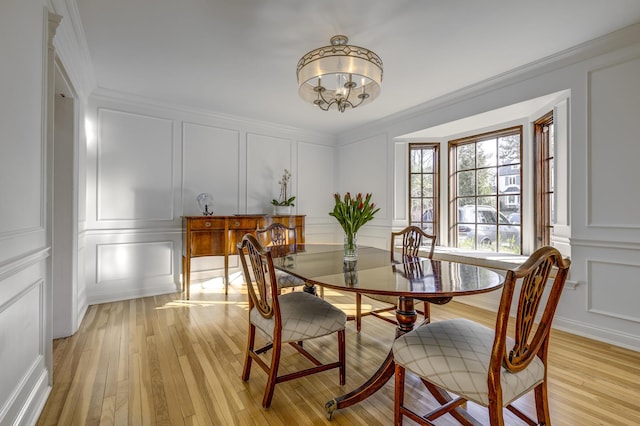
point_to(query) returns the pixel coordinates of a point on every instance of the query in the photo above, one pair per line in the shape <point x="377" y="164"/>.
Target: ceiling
<point x="238" y="57"/>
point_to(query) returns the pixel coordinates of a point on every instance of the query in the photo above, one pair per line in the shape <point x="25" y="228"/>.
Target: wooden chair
<point x="283" y="241"/>
<point x="284" y="318"/>
<point x="484" y="365"/>
<point x="413" y="239"/>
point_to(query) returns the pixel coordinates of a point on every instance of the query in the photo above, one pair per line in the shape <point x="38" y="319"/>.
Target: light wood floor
<point x="168" y="361"/>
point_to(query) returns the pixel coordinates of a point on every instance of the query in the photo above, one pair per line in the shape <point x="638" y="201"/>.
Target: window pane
<point x="427" y="210"/>
<point x="486" y="153"/>
<point x="465" y="157"/>
<point x="416" y="185"/>
<point x="427" y="161"/>
<point x="509" y="149"/>
<point x="415" y="163"/>
<point x="427" y="185"/>
<point x="416" y="209"/>
<point x="466" y="183"/>
<point x="509" y="238"/>
<point x="509" y="204"/>
<point x="509" y="179"/>
<point x="486" y="181"/>
<point x="487" y="201"/>
<point x="466" y="210"/>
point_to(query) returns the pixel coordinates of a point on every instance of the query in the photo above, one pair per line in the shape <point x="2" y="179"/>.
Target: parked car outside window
<point x="486" y="229"/>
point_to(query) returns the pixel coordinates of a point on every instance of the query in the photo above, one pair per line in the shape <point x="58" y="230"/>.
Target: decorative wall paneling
<point x="148" y="164"/>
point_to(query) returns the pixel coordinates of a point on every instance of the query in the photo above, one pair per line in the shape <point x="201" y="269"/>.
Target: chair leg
<point x="542" y="404"/>
<point x="399" y="395"/>
<point x="496" y="417"/>
<point x="358" y="312"/>
<point x="342" y="357"/>
<point x="273" y="375"/>
<point x="246" y="371"/>
<point x="427" y="312"/>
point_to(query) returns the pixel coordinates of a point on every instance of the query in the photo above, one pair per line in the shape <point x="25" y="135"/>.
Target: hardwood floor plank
<point x="166" y="360"/>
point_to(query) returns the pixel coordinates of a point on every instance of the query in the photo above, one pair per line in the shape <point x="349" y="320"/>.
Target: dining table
<point x="373" y="272"/>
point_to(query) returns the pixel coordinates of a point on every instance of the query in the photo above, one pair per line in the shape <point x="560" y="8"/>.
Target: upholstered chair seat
<point x="303" y="317"/>
<point x="455" y="355"/>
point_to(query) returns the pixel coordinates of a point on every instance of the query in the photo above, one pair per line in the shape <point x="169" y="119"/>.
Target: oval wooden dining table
<point x="434" y="281"/>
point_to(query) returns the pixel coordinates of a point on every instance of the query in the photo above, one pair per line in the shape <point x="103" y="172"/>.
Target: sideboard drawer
<point x="243" y="223"/>
<point x="207" y="223"/>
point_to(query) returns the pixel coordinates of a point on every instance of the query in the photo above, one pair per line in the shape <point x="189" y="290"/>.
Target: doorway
<point x="64" y="247"/>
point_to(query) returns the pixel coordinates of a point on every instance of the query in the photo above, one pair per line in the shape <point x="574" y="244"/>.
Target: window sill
<point x="498" y="261"/>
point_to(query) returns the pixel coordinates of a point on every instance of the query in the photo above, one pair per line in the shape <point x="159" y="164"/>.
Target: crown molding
<point x="619" y="39"/>
<point x="187" y="113"/>
<point x="72" y="48"/>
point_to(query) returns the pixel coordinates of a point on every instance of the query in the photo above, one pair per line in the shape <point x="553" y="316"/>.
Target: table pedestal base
<point x="406" y="317"/>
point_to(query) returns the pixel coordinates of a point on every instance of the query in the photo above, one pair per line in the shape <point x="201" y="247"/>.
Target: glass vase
<point x="350" y="247"/>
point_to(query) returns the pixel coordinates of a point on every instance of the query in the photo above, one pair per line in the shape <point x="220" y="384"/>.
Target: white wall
<point x="25" y="215"/>
<point x="145" y="167"/>
<point x="365" y="174"/>
<point x="600" y="222"/>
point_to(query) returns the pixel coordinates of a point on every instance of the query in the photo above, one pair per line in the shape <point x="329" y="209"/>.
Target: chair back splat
<point x="413" y="239"/>
<point x="283" y="241"/>
<point x="489" y="366"/>
<point x="264" y="284"/>
<point x="278" y="235"/>
<point x="284" y="318"/>
<point x="534" y="274"/>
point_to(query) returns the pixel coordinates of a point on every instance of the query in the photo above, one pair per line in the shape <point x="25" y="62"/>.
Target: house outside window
<point x="486" y="191"/>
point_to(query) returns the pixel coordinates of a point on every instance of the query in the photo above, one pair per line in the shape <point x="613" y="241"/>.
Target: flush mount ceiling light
<point x="341" y="75"/>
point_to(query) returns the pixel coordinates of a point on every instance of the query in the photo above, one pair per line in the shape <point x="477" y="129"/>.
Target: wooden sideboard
<point x="218" y="236"/>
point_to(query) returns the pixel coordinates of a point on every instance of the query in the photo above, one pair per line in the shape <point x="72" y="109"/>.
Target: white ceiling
<point x="238" y="57"/>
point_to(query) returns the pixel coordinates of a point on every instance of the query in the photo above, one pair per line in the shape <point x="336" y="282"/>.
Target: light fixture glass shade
<point x="340" y="74"/>
<point x="205" y="201"/>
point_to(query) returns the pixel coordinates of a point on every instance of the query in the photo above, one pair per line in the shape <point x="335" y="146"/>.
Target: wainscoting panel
<point x="128" y="265"/>
<point x="317" y="173"/>
<point x="612" y="289"/>
<point x="22" y="354"/>
<point x="267" y="157"/>
<point x="210" y="164"/>
<point x="135" y="167"/>
<point x="133" y="260"/>
<point x="366" y="179"/>
<point x="614" y="90"/>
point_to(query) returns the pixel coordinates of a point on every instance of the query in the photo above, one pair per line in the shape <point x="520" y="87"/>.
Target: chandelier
<point x="341" y="75"/>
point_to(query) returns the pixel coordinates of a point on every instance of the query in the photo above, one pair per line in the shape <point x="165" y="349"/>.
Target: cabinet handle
<point x="236" y="224"/>
<point x="207" y="224"/>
